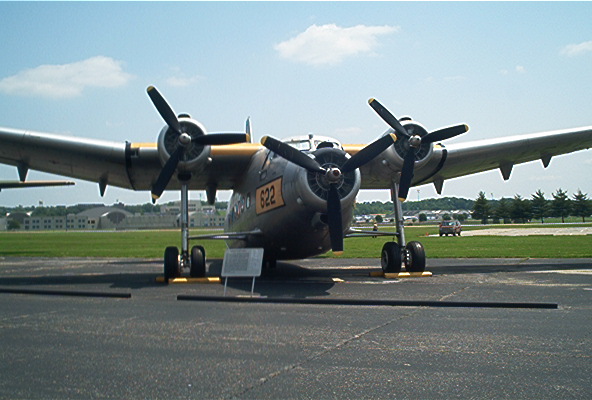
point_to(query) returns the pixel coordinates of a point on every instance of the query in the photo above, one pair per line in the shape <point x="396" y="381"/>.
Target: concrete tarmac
<point x="61" y="339"/>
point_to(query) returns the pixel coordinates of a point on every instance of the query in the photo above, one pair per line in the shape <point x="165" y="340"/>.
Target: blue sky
<point x="297" y="67"/>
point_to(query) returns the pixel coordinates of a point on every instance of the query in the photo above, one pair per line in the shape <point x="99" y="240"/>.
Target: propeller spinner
<point x="414" y="141"/>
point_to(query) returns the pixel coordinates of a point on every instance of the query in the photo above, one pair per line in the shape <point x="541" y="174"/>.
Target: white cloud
<point x="331" y="44"/>
<point x="520" y="69"/>
<point x="572" y="50"/>
<point x="183" y="81"/>
<point x="66" y="80"/>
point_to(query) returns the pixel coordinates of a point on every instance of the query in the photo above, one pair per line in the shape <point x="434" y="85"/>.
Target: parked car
<point x="450" y="227"/>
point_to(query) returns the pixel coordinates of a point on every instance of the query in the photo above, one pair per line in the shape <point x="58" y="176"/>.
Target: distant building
<point x="111" y="218"/>
<point x="194" y="206"/>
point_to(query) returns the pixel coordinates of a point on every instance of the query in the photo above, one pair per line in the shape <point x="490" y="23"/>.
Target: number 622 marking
<point x="269" y="196"/>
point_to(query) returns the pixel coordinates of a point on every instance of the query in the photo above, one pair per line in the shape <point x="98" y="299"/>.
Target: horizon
<point x="570" y="196"/>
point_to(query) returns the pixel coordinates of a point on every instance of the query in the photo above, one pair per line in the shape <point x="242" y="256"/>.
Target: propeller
<point x="414" y="141"/>
<point x="184" y="140"/>
<point x="333" y="176"/>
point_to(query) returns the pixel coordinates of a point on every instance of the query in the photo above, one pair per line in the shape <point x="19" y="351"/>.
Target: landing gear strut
<point x="195" y="261"/>
<point x="395" y="254"/>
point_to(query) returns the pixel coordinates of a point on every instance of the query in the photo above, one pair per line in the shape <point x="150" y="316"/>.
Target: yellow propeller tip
<point x="370" y="100"/>
<point x="402" y="200"/>
<point x="338" y="253"/>
<point x="263" y="140"/>
<point x="155" y="197"/>
<point x="394" y="137"/>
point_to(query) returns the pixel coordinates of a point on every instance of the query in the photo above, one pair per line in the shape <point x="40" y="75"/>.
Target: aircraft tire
<point x="416" y="258"/>
<point x="198" y="262"/>
<point x="390" y="258"/>
<point x="171" y="263"/>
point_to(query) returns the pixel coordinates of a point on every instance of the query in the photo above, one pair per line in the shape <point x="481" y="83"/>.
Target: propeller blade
<point x="445" y="133"/>
<point x="291" y="154"/>
<point x="164" y="109"/>
<point x="334" y="220"/>
<point x="166" y="174"/>
<point x="368" y="153"/>
<point x="389" y="118"/>
<point x="220" y="138"/>
<point x="406" y="174"/>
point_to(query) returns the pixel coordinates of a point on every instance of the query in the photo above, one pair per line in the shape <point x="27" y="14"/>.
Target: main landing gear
<point x="175" y="262"/>
<point x="396" y="254"/>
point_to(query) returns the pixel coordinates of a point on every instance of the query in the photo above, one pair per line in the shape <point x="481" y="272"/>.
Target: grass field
<point x="151" y="244"/>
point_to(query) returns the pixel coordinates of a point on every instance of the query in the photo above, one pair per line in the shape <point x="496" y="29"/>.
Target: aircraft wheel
<point x="416" y="259"/>
<point x="390" y="258"/>
<point x="171" y="263"/>
<point x="198" y="262"/>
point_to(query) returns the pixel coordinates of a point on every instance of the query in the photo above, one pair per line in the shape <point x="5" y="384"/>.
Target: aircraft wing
<point x="128" y="165"/>
<point x="456" y="160"/>
<point x="136" y="166"/>
<point x="504" y="153"/>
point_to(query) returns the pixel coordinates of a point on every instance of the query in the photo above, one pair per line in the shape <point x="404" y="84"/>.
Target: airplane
<point x="294" y="197"/>
<point x="19" y="184"/>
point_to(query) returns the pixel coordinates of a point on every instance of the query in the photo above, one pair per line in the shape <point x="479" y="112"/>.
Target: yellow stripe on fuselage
<point x="352" y="149"/>
<point x="244" y="149"/>
<point x="240" y="149"/>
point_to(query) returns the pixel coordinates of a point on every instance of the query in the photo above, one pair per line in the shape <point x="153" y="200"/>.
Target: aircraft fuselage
<point x="282" y="201"/>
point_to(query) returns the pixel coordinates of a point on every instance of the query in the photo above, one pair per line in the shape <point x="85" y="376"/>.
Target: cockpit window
<point x="325" y="145"/>
<point x="311" y="145"/>
<point x="302" y="145"/>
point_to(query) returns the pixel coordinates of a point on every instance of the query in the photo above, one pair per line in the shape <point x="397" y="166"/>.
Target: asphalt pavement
<point x="104" y="328"/>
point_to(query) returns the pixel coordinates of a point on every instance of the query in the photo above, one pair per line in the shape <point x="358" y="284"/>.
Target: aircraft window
<point x="323" y="145"/>
<point x="267" y="159"/>
<point x="300" y="145"/>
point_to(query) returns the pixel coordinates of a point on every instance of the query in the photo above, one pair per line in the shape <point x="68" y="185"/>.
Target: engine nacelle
<point x="313" y="188"/>
<point x="195" y="155"/>
<point x="396" y="154"/>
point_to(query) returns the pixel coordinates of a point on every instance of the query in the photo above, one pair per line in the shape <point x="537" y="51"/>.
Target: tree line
<point x="444" y="203"/>
<point x="521" y="210"/>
